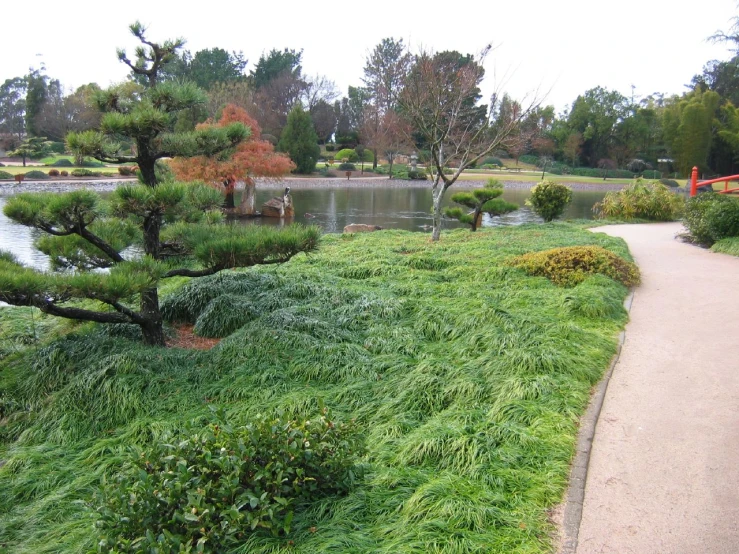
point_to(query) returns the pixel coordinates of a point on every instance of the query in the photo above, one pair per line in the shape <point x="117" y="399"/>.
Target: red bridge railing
<point x="725" y="180"/>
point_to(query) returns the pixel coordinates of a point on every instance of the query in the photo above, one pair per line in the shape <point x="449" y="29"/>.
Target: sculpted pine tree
<point x="175" y="224"/>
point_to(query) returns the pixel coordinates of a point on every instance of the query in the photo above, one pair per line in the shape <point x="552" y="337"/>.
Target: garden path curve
<point x="664" y="468"/>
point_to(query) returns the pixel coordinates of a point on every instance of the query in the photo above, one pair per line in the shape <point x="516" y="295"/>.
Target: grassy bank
<point x="466" y="376"/>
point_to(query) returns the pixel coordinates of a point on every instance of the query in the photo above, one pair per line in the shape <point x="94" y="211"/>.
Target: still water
<point x="332" y="208"/>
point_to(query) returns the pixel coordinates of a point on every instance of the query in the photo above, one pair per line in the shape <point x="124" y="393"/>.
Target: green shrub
<point x="492" y="161"/>
<point x="64" y="173"/>
<point x="206" y="489"/>
<point x="36" y="174"/>
<point x="641" y="200"/>
<point x="92" y="163"/>
<point x="571" y="265"/>
<point x="651" y="174"/>
<point x="549" y="199"/>
<point x="53" y="173"/>
<point x="417" y="175"/>
<point x="5" y="175"/>
<point x="62" y="162"/>
<point x="330" y="147"/>
<point x="529" y="159"/>
<point x="728" y="245"/>
<point x="711" y="217"/>
<point x="79" y="172"/>
<point x="669" y="183"/>
<point x="347" y="167"/>
<point x="347" y="154"/>
<point x="595" y="172"/>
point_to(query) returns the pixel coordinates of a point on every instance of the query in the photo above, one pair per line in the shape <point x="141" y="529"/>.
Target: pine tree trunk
<point x="152" y="330"/>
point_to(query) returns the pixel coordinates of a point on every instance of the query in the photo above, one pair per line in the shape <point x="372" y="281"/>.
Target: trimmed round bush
<point x="53" y="173"/>
<point x="570" y="266"/>
<point x="711" y="217"/>
<point x="347" y="167"/>
<point x="64" y="173"/>
<point x="641" y="200"/>
<point x="5" y="175"/>
<point x="206" y="489"/>
<point x="549" y="199"/>
<point x="80" y="172"/>
<point x="63" y="162"/>
<point x="36" y="174"/>
<point x="347" y="155"/>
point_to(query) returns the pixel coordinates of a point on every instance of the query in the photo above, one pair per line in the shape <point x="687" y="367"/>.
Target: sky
<point x="553" y="50"/>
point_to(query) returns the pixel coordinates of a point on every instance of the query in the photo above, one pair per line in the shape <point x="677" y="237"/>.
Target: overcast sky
<point x="561" y="47"/>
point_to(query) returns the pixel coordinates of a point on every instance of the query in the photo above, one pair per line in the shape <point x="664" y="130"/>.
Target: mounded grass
<point x="728" y="245"/>
<point x="466" y="376"/>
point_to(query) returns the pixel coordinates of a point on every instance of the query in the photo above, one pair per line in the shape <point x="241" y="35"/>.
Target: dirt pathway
<point x="664" y="468"/>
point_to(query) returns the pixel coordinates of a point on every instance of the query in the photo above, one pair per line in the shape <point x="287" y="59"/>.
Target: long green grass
<point x="728" y="245"/>
<point x="466" y="376"/>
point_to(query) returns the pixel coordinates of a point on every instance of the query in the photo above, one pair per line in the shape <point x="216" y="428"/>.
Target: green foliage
<point x="729" y="245"/>
<point x="5" y="175"/>
<point x="62" y="162"/>
<point x="53" y="173"/>
<point x="206" y="489"/>
<point x="670" y="183"/>
<point x="595" y="172"/>
<point x="36" y="174"/>
<point x="347" y="167"/>
<point x="595" y="297"/>
<point x="570" y="266"/>
<point x="711" y="217"/>
<point x="652" y="174"/>
<point x="466" y="376"/>
<point x="418" y="175"/>
<point x="80" y="172"/>
<point x="347" y="154"/>
<point x="641" y="200"/>
<point x="483" y="200"/>
<point x="549" y="199"/>
<point x="492" y="162"/>
<point x="299" y="140"/>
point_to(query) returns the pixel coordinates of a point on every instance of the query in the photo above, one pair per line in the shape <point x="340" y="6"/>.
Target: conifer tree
<point x="484" y="200"/>
<point x="300" y="141"/>
<point x="176" y="224"/>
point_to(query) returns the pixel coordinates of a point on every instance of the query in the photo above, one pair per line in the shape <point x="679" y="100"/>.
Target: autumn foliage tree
<point x="252" y="158"/>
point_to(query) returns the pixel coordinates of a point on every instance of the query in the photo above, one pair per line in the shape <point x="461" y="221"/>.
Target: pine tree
<point x="484" y="200"/>
<point x="300" y="141"/>
<point x="177" y="224"/>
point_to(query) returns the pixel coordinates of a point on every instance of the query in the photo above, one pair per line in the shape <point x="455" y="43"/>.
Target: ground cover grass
<point x="728" y="245"/>
<point x="466" y="377"/>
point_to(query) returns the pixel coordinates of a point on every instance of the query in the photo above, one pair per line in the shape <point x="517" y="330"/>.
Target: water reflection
<point x="332" y="208"/>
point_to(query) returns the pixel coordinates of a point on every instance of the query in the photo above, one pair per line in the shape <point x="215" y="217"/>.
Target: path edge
<point x="575" y="497"/>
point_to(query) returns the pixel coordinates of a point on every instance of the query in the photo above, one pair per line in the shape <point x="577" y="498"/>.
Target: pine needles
<point x="466" y="376"/>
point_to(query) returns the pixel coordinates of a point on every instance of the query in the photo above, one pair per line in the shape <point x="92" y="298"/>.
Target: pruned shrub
<point x="571" y="265"/>
<point x="206" y="489"/>
<point x="125" y="171"/>
<point x="417" y="175"/>
<point x="64" y="173"/>
<point x="5" y="175"/>
<point x="36" y="174"/>
<point x="711" y="217"/>
<point x="347" y="155"/>
<point x="79" y="172"/>
<point x="347" y="167"/>
<point x="549" y="199"/>
<point x="641" y="200"/>
<point x="53" y="173"/>
<point x="492" y="161"/>
<point x="62" y="162"/>
<point x="330" y="147"/>
<point x="669" y="183"/>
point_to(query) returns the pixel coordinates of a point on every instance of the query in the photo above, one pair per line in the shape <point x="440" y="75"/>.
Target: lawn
<point x="15" y="169"/>
<point x="466" y="377"/>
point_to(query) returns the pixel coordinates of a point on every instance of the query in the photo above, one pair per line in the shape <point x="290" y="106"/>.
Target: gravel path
<point x="663" y="474"/>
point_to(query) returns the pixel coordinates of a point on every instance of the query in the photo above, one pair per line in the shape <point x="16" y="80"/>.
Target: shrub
<point x="205" y="489"/>
<point x="125" y="171"/>
<point x="711" y="217"/>
<point x="347" y="167"/>
<point x="594" y="172"/>
<point x="641" y="200"/>
<point x="53" y="173"/>
<point x="417" y="175"/>
<point x="571" y="265"/>
<point x="36" y="174"/>
<point x="63" y="162"/>
<point x="79" y="172"/>
<point x="5" y="175"/>
<point x="549" y="199"/>
<point x="651" y="174"/>
<point x="492" y="161"/>
<point x="347" y="154"/>
<point x="330" y="147"/>
<point x="728" y="245"/>
<point x="64" y="173"/>
<point x="669" y="183"/>
<point x="529" y="159"/>
<point x="92" y="163"/>
<point x="636" y="165"/>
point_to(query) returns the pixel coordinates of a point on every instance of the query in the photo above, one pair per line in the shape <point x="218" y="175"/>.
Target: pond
<point x="334" y="206"/>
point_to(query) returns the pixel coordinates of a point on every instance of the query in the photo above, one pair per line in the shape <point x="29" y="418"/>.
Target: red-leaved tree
<point x="252" y="158"/>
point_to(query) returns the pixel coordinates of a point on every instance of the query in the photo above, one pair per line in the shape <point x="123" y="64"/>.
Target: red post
<point x="694" y="182"/>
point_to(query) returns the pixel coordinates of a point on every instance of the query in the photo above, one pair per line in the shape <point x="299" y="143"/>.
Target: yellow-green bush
<point x="571" y="265"/>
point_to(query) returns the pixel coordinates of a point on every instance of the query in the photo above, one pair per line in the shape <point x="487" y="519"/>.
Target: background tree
<point x="252" y="158"/>
<point x="74" y="112"/>
<point x="31" y="147"/>
<point x="36" y="94"/>
<point x="439" y="100"/>
<point x="81" y="233"/>
<point x="485" y="200"/>
<point x="13" y="108"/>
<point x="299" y="141"/>
<point x="388" y="136"/>
<point x="572" y="148"/>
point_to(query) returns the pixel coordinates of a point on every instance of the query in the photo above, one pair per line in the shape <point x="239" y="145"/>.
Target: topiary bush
<point x="79" y="172"/>
<point x="36" y="174"/>
<point x="206" y="489"/>
<point x="711" y="217"/>
<point x="571" y="265"/>
<point x="417" y="175"/>
<point x="63" y="162"/>
<point x="347" y="155"/>
<point x="64" y="173"/>
<point x="5" y="175"/>
<point x="641" y="200"/>
<point x="549" y="199"/>
<point x="347" y="167"/>
<point x="53" y="173"/>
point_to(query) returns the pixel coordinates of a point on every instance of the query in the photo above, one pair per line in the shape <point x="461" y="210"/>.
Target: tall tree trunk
<point x="248" y="198"/>
<point x="438" y="194"/>
<point x="374" y="161"/>
<point x="391" y="158"/>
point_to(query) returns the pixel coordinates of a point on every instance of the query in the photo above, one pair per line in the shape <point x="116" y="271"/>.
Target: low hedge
<point x="711" y="217"/>
<point x="5" y="175"/>
<point x="36" y="174"/>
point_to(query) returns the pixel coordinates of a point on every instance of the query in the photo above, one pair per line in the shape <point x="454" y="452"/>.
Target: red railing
<point x="725" y="180"/>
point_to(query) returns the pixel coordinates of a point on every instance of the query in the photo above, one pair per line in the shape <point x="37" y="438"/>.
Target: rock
<point x="361" y="228"/>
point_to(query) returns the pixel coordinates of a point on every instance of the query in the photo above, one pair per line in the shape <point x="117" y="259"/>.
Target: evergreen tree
<point x="299" y="140"/>
<point x="176" y="223"/>
<point x="484" y="200"/>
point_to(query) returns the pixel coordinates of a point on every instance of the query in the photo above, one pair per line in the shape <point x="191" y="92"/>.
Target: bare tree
<point x="388" y="134"/>
<point x="440" y="101"/>
<point x="319" y="88"/>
